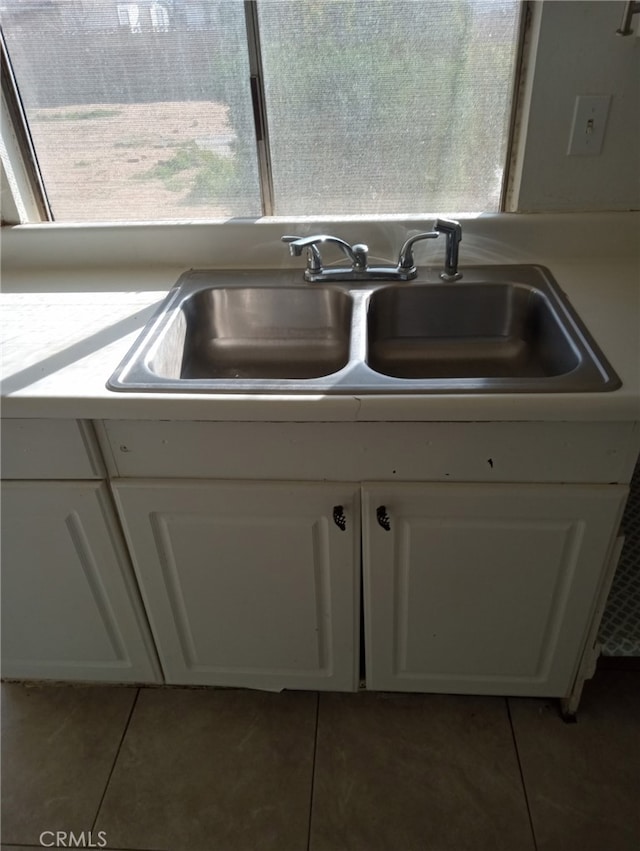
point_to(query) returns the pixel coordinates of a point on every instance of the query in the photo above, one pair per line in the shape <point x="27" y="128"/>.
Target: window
<point x="217" y="108"/>
<point x="159" y="18"/>
<point x="129" y="16"/>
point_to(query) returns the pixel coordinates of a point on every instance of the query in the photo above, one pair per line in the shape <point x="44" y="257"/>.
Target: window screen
<point x="388" y="106"/>
<point x="143" y="110"/>
<point x="137" y="110"/>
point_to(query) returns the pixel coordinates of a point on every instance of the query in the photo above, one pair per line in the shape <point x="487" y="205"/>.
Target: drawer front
<point x="447" y="452"/>
<point x="49" y="449"/>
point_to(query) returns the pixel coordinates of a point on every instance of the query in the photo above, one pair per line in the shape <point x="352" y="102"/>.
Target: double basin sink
<point x="502" y="329"/>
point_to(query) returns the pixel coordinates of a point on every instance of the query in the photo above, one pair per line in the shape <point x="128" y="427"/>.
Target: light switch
<point x="589" y="123"/>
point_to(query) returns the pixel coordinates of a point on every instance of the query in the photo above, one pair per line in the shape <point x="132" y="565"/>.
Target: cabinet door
<point x="70" y="605"/>
<point x="248" y="584"/>
<point x="480" y="588"/>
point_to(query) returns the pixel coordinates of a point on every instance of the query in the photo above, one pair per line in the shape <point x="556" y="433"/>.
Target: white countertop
<point x="66" y="327"/>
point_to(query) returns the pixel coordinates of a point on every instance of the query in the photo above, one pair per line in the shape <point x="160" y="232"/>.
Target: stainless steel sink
<point x="502" y="329"/>
<point x="468" y="331"/>
<point x="232" y="333"/>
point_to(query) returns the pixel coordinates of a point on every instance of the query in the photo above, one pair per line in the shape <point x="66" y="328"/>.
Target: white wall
<point x="579" y="53"/>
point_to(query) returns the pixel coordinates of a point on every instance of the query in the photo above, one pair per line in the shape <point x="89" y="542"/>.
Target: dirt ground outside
<point x="139" y="162"/>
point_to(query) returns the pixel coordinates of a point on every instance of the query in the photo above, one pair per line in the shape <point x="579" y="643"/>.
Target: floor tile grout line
<point x="520" y="769"/>
<point x="115" y="759"/>
<point x="313" y="770"/>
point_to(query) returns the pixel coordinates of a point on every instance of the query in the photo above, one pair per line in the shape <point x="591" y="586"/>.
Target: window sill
<point x="238" y="244"/>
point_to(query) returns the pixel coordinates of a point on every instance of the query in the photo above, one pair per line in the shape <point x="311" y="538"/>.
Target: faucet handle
<point x="357" y="253"/>
<point x="405" y="260"/>
<point x="297" y="243"/>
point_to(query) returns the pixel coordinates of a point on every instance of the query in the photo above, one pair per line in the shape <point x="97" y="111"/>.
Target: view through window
<point x="144" y="110"/>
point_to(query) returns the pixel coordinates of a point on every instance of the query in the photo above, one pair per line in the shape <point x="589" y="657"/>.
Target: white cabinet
<point x="491" y="587"/>
<point x="248" y="583"/>
<point x="482" y="588"/>
<point x="70" y="608"/>
<point x="50" y="449"/>
<point x="249" y="580"/>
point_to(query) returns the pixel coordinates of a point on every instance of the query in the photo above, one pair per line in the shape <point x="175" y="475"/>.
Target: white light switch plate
<point x="589" y="123"/>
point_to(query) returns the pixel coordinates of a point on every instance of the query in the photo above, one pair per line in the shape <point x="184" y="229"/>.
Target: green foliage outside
<point x="207" y="175"/>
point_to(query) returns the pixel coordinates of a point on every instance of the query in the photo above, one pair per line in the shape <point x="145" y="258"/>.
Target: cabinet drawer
<point x="447" y="452"/>
<point x="49" y="449"/>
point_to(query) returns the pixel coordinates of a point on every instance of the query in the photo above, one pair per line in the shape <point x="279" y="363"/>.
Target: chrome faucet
<point x="404" y="270"/>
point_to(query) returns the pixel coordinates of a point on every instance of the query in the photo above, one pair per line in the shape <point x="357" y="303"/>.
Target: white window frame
<point x="24" y="197"/>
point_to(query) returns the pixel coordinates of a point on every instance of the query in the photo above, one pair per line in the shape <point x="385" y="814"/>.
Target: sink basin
<point x="502" y="329"/>
<point x="467" y="331"/>
<point x="255" y="333"/>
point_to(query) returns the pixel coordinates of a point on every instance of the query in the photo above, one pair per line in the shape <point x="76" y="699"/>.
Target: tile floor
<point x="225" y="770"/>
